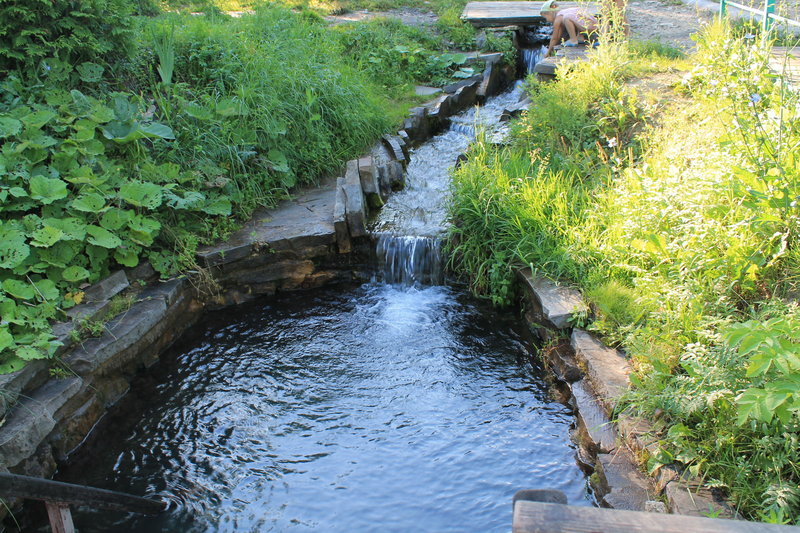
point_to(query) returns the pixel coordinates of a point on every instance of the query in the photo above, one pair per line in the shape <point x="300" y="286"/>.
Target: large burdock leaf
<point x="13" y="249"/>
<point x="157" y="130"/>
<point x="9" y="126"/>
<point x="141" y="194"/>
<point x="88" y="203"/>
<point x="47" y="190"/>
<point x="46" y="237"/>
<point x="143" y="230"/>
<point x="102" y="237"/>
<point x="217" y="206"/>
<point x="74" y="273"/>
<point x="19" y="289"/>
<point x="74" y="229"/>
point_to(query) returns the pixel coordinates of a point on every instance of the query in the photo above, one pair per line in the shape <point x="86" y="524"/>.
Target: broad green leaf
<point x="88" y="203"/>
<point x="122" y="132"/>
<point x="115" y="218"/>
<point x="90" y="72"/>
<point x="29" y="353"/>
<point x="46" y="237"/>
<point x="61" y="254"/>
<point x="101" y="114"/>
<point x="13" y="248"/>
<point x="278" y="161"/>
<point x="46" y="289"/>
<point x="18" y="192"/>
<point x="231" y="107"/>
<point x="143" y="230"/>
<point x="11" y="364"/>
<point x="19" y="289"/>
<point x="73" y="228"/>
<point x="141" y="194"/>
<point x="218" y="206"/>
<point x="199" y="112"/>
<point x="9" y="127"/>
<point x="102" y="237"/>
<point x="6" y="338"/>
<point x="157" y="130"/>
<point x="75" y="273"/>
<point x="37" y="119"/>
<point x="190" y="199"/>
<point x="47" y="190"/>
<point x="127" y="256"/>
<point x="92" y="147"/>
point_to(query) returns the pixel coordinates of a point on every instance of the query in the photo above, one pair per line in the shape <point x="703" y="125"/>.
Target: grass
<point x="675" y="215"/>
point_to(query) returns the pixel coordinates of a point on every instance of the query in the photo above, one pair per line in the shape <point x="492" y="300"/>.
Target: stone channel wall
<point x="611" y="444"/>
<point x="48" y="408"/>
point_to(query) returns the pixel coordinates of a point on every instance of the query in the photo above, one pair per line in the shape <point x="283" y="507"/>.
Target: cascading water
<point x="531" y="56"/>
<point x="410" y="226"/>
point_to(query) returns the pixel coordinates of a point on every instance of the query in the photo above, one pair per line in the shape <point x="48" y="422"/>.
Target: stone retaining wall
<point x="48" y="408"/>
<point x="596" y="376"/>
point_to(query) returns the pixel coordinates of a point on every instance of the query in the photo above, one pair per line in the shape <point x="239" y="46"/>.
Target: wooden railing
<point x="767" y="13"/>
<point x="58" y="496"/>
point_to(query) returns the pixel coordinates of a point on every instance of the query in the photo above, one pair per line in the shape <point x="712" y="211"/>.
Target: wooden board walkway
<point x="537" y="517"/>
<point x="500" y="14"/>
<point x="786" y="61"/>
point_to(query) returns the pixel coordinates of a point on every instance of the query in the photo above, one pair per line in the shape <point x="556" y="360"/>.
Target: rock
<point x="106" y="288"/>
<point x="606" y="368"/>
<point x="355" y="205"/>
<point x="689" y="499"/>
<point x="561" y="360"/>
<point x="89" y="311"/>
<point x="31" y="376"/>
<point x="491" y="58"/>
<point x="297" y="224"/>
<point x="370" y="184"/>
<point x="168" y="291"/>
<point x="621" y="484"/>
<point x="94" y="354"/>
<point x="277" y="272"/>
<point x="638" y="433"/>
<point x="395" y="149"/>
<point x="403" y="142"/>
<point x="480" y="39"/>
<point x="144" y="271"/>
<point x="395" y="175"/>
<point x="592" y="420"/>
<point x="34" y="418"/>
<point x="340" y="220"/>
<point x="441" y="107"/>
<point x="421" y="90"/>
<point x="556" y="304"/>
<point x="465" y="96"/>
<point x="453" y="87"/>
<point x="653" y="506"/>
<point x="515" y="110"/>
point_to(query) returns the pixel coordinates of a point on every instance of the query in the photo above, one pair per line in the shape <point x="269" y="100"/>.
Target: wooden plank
<point x="786" y="61"/>
<point x="498" y="14"/>
<point x="31" y="488"/>
<point x="60" y="517"/>
<point x="536" y="517"/>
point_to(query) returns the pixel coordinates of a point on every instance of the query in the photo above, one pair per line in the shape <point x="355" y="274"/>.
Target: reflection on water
<point x="371" y="408"/>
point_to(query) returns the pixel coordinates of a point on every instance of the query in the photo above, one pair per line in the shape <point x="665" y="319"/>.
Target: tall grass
<point x="676" y="230"/>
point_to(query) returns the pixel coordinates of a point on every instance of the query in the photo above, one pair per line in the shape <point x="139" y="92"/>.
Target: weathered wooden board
<point x="498" y="14"/>
<point x="536" y="517"/>
<point x="29" y="488"/>
<point x="547" y="66"/>
<point x="786" y="61"/>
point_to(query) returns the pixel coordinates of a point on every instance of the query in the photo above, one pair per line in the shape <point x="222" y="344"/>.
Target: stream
<point x="402" y="404"/>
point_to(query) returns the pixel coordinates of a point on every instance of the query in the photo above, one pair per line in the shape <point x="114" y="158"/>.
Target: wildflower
<point x="612" y="142"/>
<point x="749" y="36"/>
<point x="755" y="98"/>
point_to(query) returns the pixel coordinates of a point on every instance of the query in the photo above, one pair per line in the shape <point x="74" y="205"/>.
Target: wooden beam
<point x="536" y="517"/>
<point x="60" y="517"/>
<point x="46" y="490"/>
<point x="498" y="14"/>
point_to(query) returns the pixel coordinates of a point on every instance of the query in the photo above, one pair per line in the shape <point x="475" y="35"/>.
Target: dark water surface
<point x="349" y="409"/>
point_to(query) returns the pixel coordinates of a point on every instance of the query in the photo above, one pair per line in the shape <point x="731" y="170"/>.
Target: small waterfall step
<point x="410" y="260"/>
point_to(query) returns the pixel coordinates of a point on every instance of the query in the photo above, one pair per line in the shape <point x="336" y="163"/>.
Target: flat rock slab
<point x="623" y="485"/>
<point x="421" y="90"/>
<point x="549" y="65"/>
<point x="593" y="420"/>
<point x="107" y="288"/>
<point x="686" y="499"/>
<point x="606" y="367"/>
<point x="301" y="223"/>
<point x="558" y="304"/>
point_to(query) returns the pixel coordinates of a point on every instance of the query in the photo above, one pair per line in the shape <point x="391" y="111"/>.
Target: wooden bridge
<point x="502" y="14"/>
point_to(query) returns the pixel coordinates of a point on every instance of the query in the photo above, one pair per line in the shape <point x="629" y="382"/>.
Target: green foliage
<point x="683" y="239"/>
<point x="82" y="30"/>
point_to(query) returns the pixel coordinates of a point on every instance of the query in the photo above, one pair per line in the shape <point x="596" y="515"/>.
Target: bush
<point x="70" y="32"/>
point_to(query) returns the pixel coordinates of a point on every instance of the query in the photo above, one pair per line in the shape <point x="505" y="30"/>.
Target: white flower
<point x="612" y="142"/>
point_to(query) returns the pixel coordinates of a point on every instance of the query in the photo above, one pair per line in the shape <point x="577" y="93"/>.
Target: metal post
<point x="723" y="8"/>
<point x="769" y="9"/>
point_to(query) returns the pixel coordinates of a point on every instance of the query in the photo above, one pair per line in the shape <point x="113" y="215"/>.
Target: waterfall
<point x="531" y="56"/>
<point x="410" y="260"/>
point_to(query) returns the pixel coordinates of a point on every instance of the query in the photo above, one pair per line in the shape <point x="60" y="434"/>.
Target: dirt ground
<point x="668" y="21"/>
